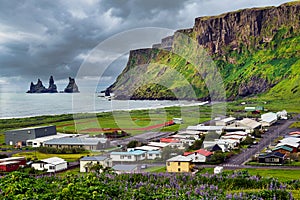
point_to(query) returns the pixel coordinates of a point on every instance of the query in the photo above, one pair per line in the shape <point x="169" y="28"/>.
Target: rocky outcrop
<point x="71" y="87"/>
<point x="52" y="87"/>
<point x="40" y="88"/>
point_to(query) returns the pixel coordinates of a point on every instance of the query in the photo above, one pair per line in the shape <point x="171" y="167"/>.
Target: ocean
<point x="15" y="105"/>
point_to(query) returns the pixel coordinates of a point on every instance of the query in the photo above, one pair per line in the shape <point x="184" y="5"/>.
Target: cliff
<point x="254" y="50"/>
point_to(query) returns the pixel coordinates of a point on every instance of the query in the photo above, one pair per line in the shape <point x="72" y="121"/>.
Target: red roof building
<point x="9" y="166"/>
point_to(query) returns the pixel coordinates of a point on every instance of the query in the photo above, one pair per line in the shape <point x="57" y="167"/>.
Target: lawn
<point x="39" y="156"/>
<point x="156" y="169"/>
<point x="295" y="125"/>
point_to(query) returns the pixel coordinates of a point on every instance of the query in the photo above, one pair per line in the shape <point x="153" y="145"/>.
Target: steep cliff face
<point x="72" y="86"/>
<point x="40" y="88"/>
<point x="254" y="50"/>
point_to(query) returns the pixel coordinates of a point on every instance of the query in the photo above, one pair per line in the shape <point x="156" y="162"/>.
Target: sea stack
<point x="52" y="87"/>
<point x="71" y="87"/>
<point x="40" y="88"/>
<point x="37" y="88"/>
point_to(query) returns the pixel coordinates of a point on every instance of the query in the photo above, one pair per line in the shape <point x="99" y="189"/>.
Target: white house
<point x="269" y="118"/>
<point x="225" y="122"/>
<point x="128" y="156"/>
<point x="218" y="170"/>
<point x="282" y="114"/>
<point x="151" y="155"/>
<point x="250" y="123"/>
<point x="199" y="156"/>
<point x="53" y="164"/>
<point x="87" y="161"/>
<point x="37" y="142"/>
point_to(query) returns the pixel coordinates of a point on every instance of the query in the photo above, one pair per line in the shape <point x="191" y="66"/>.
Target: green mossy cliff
<point x="254" y="51"/>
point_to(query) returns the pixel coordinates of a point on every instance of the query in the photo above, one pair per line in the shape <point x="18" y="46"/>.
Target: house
<point x="179" y="164"/>
<point x="78" y="142"/>
<point x="20" y="160"/>
<point x="88" y="161"/>
<point x="18" y="137"/>
<point x="218" y="169"/>
<point x="272" y="158"/>
<point x="225" y="122"/>
<point x="178" y="120"/>
<point x="220" y="143"/>
<point x="268" y="119"/>
<point x="160" y="145"/>
<point x="283" y="149"/>
<point x="215" y="148"/>
<point x="205" y="129"/>
<point x="294" y="134"/>
<point x="295" y="146"/>
<point x="250" y="123"/>
<point x="120" y="169"/>
<point x="145" y="148"/>
<point x="9" y="166"/>
<point x="199" y="156"/>
<point x="282" y="114"/>
<point x="128" y="156"/>
<point x="151" y="155"/>
<point x="53" y="164"/>
<point x="38" y="142"/>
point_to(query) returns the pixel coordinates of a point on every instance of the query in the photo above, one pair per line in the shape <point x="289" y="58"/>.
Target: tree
<point x="133" y="143"/>
<point x="169" y="152"/>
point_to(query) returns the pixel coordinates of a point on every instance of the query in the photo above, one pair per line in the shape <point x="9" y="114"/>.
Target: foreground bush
<point x="143" y="186"/>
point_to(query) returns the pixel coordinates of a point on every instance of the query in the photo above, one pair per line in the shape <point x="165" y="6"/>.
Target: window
<point x="98" y="162"/>
<point x="51" y="167"/>
<point x="129" y="157"/>
<point x="121" y="157"/>
<point x="150" y="155"/>
<point x="179" y="169"/>
<point x="178" y="163"/>
<point x="168" y="163"/>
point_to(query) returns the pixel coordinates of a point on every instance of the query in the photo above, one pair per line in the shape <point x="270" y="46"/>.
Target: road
<point x="279" y="129"/>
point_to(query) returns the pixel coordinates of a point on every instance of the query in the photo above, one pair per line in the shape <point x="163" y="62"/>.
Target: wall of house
<point x="127" y="157"/>
<point x="85" y="163"/>
<point x="56" y="168"/>
<point x="178" y="167"/>
<point x="38" y="166"/>
<point x="151" y="156"/>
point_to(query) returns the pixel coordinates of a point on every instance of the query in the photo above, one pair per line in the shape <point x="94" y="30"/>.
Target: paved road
<point x="280" y="129"/>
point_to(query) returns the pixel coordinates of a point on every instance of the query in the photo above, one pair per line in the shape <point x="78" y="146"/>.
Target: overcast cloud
<point x="39" y="38"/>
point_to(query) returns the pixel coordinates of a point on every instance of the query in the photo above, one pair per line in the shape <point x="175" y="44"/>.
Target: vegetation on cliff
<point x="254" y="51"/>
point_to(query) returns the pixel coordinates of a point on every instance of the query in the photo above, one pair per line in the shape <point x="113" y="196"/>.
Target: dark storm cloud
<point x="39" y="38"/>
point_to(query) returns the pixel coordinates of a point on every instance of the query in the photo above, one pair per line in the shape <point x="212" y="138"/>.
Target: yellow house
<point x="179" y="164"/>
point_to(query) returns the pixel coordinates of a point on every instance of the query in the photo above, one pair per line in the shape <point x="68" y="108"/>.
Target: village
<point x="217" y="143"/>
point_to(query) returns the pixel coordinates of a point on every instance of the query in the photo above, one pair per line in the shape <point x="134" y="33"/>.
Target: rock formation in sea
<point x="40" y="88"/>
<point x="71" y="87"/>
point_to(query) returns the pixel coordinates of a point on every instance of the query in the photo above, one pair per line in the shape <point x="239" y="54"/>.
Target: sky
<point x="39" y="38"/>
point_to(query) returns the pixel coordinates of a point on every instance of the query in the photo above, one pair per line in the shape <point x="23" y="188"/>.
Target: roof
<point x="75" y="141"/>
<point x="31" y="128"/>
<point x="249" y="123"/>
<point x="205" y="128"/>
<point x="204" y="152"/>
<point x="295" y="133"/>
<point x="50" y="137"/>
<point x="136" y="152"/>
<point x="290" y="140"/>
<point x="169" y="140"/>
<point x="272" y="154"/>
<point x="11" y="159"/>
<point x="242" y="133"/>
<point x="228" y="119"/>
<point x="158" y="144"/>
<point x="94" y="158"/>
<point x="54" y="160"/>
<point x="9" y="162"/>
<point x="295" y="145"/>
<point x="179" y="158"/>
<point x="188" y="132"/>
<point x="153" y="152"/>
<point x="237" y="137"/>
<point x="283" y="147"/>
<point x="146" y="148"/>
<point x="124" y="167"/>
<point x="269" y="117"/>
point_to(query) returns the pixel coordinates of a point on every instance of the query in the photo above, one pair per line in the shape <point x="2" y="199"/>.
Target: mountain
<point x="72" y="86"/>
<point x="233" y="55"/>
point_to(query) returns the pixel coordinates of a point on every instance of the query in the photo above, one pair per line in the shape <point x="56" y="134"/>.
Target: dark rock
<point x="71" y="87"/>
<point x="37" y="88"/>
<point x="40" y="88"/>
<point x="52" y="87"/>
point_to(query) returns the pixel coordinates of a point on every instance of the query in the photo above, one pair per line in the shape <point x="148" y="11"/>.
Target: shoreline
<point x="112" y="110"/>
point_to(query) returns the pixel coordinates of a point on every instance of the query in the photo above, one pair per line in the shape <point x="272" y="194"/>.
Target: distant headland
<point x="40" y="88"/>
